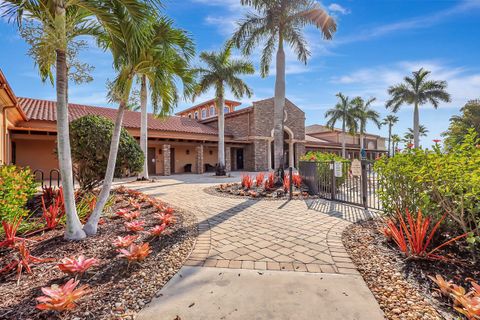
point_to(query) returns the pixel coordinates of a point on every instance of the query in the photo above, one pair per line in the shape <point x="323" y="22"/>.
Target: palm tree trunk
<point x="144" y="127"/>
<point x="389" y="138"/>
<point x="73" y="230"/>
<point x="90" y="227"/>
<point x="361" y="141"/>
<point x="343" y="139"/>
<point x="279" y="106"/>
<point x="221" y="134"/>
<point x="416" y="126"/>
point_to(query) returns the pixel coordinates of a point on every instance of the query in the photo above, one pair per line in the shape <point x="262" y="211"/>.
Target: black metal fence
<point x="340" y="181"/>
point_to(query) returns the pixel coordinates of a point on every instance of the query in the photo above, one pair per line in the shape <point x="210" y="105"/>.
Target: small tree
<point x="90" y="139"/>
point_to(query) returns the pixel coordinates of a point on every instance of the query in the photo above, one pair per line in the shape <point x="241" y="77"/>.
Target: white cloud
<point x="335" y="7"/>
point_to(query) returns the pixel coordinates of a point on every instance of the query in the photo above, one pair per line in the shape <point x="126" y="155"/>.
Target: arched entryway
<point x="288" y="149"/>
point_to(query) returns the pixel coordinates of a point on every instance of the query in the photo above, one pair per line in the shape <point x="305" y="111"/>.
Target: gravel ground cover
<point x="118" y="290"/>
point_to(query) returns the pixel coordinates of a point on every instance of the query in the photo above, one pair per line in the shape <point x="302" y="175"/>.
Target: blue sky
<point x="378" y="42"/>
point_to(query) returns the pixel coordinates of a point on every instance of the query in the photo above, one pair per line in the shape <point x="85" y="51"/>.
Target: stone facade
<point x="200" y="166"/>
<point x="166" y="160"/>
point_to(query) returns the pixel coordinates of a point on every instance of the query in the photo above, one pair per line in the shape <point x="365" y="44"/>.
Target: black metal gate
<point x="340" y="182"/>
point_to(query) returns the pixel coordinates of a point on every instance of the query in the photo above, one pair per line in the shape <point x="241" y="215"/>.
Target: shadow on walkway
<point x="340" y="210"/>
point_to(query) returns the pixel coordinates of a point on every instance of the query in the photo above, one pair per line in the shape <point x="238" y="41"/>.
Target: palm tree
<point x="62" y="21"/>
<point x="168" y="44"/>
<point x="363" y="113"/>
<point x="390" y="120"/>
<point x="417" y="90"/>
<point x="409" y="135"/>
<point x="223" y="72"/>
<point x="395" y="141"/>
<point x="276" y="23"/>
<point x="344" y="110"/>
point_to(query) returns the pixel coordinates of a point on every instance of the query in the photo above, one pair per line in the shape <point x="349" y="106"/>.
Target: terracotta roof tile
<point x="45" y="110"/>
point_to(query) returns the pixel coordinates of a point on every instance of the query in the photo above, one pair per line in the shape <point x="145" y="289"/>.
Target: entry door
<point x="151" y="161"/>
<point x="239" y="159"/>
<point x="172" y="160"/>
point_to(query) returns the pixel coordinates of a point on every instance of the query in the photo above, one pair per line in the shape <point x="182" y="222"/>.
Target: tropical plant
<point x="22" y="260"/>
<point x="409" y="135"/>
<point x="61" y="22"/>
<point x="10" y="229"/>
<point x="259" y="179"/>
<point x="157" y="230"/>
<point x="124" y="242"/>
<point x="417" y="90"/>
<point x="90" y="138"/>
<point x="343" y="111"/>
<point x="460" y="124"/>
<point x="297" y="180"/>
<point x="222" y="72"/>
<point x="270" y="182"/>
<point x="166" y="217"/>
<point x="276" y="23"/>
<point x="62" y="298"/>
<point x="390" y="121"/>
<point x="132" y="215"/>
<point x="134" y="226"/>
<point x="135" y="252"/>
<point x="364" y="113"/>
<point x="286" y="183"/>
<point x="395" y="141"/>
<point x="17" y="186"/>
<point x="247" y="181"/>
<point x="165" y="58"/>
<point x="76" y="266"/>
<point x="55" y="211"/>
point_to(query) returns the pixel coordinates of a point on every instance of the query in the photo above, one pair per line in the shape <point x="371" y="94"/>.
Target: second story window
<point x="212" y="111"/>
<point x="195" y="115"/>
<point x="226" y="110"/>
<point x="204" y="113"/>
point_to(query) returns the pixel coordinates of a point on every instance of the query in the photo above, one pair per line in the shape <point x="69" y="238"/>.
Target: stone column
<point x="200" y="166"/>
<point x="269" y="154"/>
<point x="166" y="160"/>
<point x="291" y="161"/>
<point x="228" y="159"/>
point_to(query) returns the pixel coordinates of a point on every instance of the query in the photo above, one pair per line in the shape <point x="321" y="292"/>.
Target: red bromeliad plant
<point x="22" y="261"/>
<point x="414" y="236"/>
<point x="77" y="266"/>
<point x="247" y="181"/>
<point x="10" y="229"/>
<point x="286" y="183"/>
<point x="259" y="179"/>
<point x="134" y="226"/>
<point x="61" y="298"/>
<point x="124" y="242"/>
<point x="133" y="203"/>
<point x="297" y="180"/>
<point x="166" y="218"/>
<point x="135" y="252"/>
<point x="132" y="215"/>
<point x="55" y="211"/>
<point x="158" y="230"/>
<point x="270" y="182"/>
<point x="122" y="212"/>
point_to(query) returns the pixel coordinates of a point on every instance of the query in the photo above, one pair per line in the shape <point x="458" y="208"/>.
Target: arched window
<point x="195" y="115"/>
<point x="190" y="115"/>
<point x="204" y="113"/>
<point x="212" y="111"/>
<point x="226" y="110"/>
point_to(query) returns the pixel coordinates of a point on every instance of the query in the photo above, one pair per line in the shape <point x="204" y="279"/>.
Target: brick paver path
<point x="250" y="234"/>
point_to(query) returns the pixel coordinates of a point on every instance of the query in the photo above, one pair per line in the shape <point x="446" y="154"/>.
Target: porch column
<point x="228" y="159"/>
<point x="200" y="166"/>
<point x="269" y="154"/>
<point x="166" y="160"/>
<point x="290" y="155"/>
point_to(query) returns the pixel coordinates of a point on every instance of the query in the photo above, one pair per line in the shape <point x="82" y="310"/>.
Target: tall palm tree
<point x="363" y="113"/>
<point x="395" y="141"/>
<point x="277" y="23"/>
<point x="221" y="72"/>
<point x="64" y="20"/>
<point x="343" y="111"/>
<point x="168" y="44"/>
<point x="417" y="90"/>
<point x="390" y="120"/>
<point x="410" y="135"/>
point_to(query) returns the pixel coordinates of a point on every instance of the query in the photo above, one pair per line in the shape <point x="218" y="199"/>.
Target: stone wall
<point x="166" y="160"/>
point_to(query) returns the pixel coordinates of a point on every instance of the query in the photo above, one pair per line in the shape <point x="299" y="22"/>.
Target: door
<point x="239" y="159"/>
<point x="172" y="160"/>
<point x="151" y="161"/>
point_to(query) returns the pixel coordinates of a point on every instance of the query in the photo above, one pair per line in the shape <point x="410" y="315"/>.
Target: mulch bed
<point x="118" y="291"/>
<point x="236" y="191"/>
<point x="401" y="286"/>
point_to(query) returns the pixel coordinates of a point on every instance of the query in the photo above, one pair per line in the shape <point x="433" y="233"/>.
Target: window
<point x="204" y="113"/>
<point x="190" y="115"/>
<point x="226" y="110"/>
<point x="212" y="111"/>
<point x="195" y="115"/>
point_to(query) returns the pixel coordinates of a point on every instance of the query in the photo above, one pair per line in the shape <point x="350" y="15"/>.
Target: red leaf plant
<point x="135" y="252"/>
<point x="61" y="298"/>
<point x="132" y="215"/>
<point x="286" y="183"/>
<point x="77" y="266"/>
<point x="10" y="229"/>
<point x="259" y="179"/>
<point x="166" y="218"/>
<point x="414" y="236"/>
<point x="158" y="230"/>
<point x="55" y="211"/>
<point x="133" y="203"/>
<point x="270" y="182"/>
<point x="247" y="181"/>
<point x="22" y="260"/>
<point x="122" y="212"/>
<point x="297" y="180"/>
<point x="124" y="242"/>
<point x="134" y="226"/>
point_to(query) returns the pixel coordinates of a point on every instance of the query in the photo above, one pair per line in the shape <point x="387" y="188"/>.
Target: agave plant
<point x="134" y="226"/>
<point x="135" y="252"/>
<point x="124" y="242"/>
<point x="61" y="298"/>
<point x="77" y="266"/>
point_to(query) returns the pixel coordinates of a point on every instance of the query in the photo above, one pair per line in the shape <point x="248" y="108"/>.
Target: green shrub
<point x="435" y="182"/>
<point x="17" y="186"/>
<point x="324" y="161"/>
<point x="90" y="138"/>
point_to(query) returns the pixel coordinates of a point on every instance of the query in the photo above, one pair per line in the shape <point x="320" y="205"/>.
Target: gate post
<point x="334" y="181"/>
<point x="364" y="188"/>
